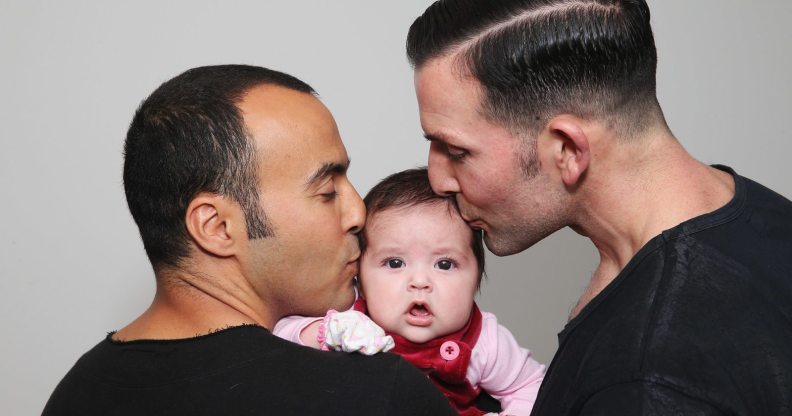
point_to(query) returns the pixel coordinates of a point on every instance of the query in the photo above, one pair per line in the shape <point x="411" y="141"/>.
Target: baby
<point x="420" y="268"/>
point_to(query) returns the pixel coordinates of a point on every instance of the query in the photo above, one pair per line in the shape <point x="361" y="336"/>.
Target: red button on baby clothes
<point x="449" y="350"/>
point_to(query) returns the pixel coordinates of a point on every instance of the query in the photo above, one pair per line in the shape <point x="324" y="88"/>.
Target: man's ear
<point x="215" y="223"/>
<point x="571" y="151"/>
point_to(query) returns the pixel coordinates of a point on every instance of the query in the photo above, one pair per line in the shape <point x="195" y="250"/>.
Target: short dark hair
<point x="410" y="188"/>
<point x="538" y="58"/>
<point x="189" y="137"/>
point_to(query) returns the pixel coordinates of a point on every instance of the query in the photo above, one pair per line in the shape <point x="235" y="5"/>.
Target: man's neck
<point x="186" y="306"/>
<point x="638" y="192"/>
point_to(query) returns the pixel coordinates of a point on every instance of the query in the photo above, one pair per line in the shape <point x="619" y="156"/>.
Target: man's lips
<point x="355" y="257"/>
<point x="475" y="224"/>
<point x="353" y="264"/>
<point x="352" y="267"/>
<point x="471" y="222"/>
<point x="419" y="314"/>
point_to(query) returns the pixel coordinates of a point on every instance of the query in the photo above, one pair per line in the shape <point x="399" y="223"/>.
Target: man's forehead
<point x="295" y="136"/>
<point x="269" y="106"/>
<point x="445" y="97"/>
<point x="440" y="73"/>
<point x="275" y="117"/>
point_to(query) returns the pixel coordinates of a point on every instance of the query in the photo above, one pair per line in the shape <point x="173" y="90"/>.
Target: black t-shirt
<point x="240" y="371"/>
<point x="698" y="323"/>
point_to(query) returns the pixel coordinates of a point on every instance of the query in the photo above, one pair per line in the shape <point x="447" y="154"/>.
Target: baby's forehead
<point x="406" y="223"/>
<point x="434" y="208"/>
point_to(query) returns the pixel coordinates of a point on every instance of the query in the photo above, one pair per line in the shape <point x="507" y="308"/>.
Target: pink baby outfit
<point x="496" y="363"/>
<point x="446" y="360"/>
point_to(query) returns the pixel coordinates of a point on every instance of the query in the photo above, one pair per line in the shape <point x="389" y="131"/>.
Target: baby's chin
<point x="418" y="335"/>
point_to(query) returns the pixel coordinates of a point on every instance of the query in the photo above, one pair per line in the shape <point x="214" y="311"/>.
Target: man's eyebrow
<point x="326" y="170"/>
<point x="436" y="137"/>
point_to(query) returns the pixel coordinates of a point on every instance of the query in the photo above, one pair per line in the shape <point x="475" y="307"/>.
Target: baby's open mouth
<point x="419" y="314"/>
<point x="419" y="310"/>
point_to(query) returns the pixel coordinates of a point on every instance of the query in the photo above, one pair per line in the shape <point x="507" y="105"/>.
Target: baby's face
<point x="419" y="274"/>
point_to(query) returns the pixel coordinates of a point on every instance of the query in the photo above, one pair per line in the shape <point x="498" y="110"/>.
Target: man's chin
<point x="502" y="246"/>
<point x="352" y="295"/>
<point x="345" y="300"/>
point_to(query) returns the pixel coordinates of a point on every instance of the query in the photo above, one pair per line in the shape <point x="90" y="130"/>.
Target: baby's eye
<point x="445" y="264"/>
<point x="395" y="263"/>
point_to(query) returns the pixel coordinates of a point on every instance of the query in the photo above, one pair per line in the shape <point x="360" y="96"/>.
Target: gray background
<point x="71" y="264"/>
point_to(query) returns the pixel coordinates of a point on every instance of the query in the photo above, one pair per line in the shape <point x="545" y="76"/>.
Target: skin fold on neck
<point x="633" y="196"/>
<point x="187" y="305"/>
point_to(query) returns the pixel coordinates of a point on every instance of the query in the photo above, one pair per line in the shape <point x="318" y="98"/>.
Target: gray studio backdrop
<point x="71" y="264"/>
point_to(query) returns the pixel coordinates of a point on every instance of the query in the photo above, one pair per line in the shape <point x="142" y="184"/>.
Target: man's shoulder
<point x="236" y="371"/>
<point x="716" y="319"/>
<point x="755" y="224"/>
<point x="728" y="282"/>
<point x="761" y="194"/>
<point x="701" y="314"/>
<point x="230" y="353"/>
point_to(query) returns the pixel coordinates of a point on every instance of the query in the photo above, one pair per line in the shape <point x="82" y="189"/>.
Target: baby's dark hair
<point x="410" y="188"/>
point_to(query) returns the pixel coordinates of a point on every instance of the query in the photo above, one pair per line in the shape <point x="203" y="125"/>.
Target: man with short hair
<point x="236" y="178"/>
<point x="543" y="114"/>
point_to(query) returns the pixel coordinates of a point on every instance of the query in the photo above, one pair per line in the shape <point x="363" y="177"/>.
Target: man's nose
<point x="441" y="174"/>
<point x="354" y="216"/>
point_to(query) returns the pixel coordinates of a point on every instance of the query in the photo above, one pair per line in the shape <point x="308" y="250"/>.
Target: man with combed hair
<point x="542" y="114"/>
<point x="236" y="178"/>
